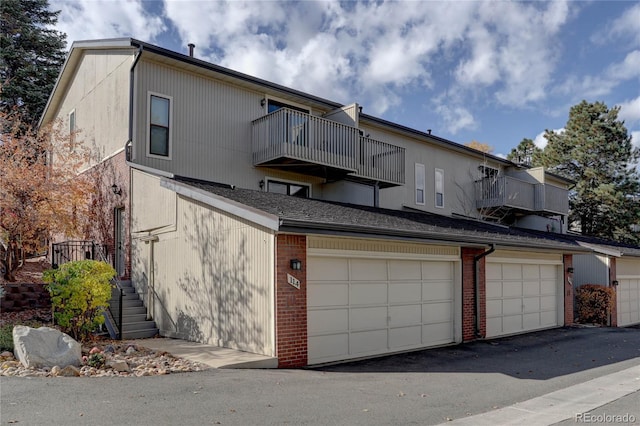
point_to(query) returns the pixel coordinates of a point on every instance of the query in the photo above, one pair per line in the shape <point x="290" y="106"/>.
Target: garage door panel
<point x="436" y="270"/>
<point x="531" y="321"/>
<point x="493" y="271"/>
<point x="548" y="303"/>
<point x="368" y="293"/>
<point x="512" y="324"/>
<point x="628" y="296"/>
<point x="404" y="270"/>
<point x="368" y="270"/>
<point x="511" y="271"/>
<point x="383" y="305"/>
<point x="531" y="304"/>
<point x="494" y="289"/>
<point x="494" y="326"/>
<point x="433" y="334"/>
<point x="328" y="269"/>
<point x="368" y="318"/>
<point x="405" y="292"/>
<point x="405" y="315"/>
<point x="548" y="287"/>
<point x="494" y="306"/>
<point x="441" y="290"/>
<point x="531" y="288"/>
<point x="368" y="342"/>
<point x="532" y="272"/>
<point x="328" y="321"/>
<point x="436" y="312"/>
<point x="330" y="347"/>
<point x="328" y="294"/>
<point x="405" y="337"/>
<point x="511" y="306"/>
<point x="512" y="289"/>
<point x="549" y="272"/>
<point x="548" y="318"/>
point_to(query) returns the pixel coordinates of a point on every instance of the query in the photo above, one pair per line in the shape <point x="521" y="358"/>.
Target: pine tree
<point x="595" y="151"/>
<point x="31" y="55"/>
<point x="525" y="153"/>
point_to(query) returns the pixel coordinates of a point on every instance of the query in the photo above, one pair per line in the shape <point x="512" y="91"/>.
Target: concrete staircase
<point x="134" y="315"/>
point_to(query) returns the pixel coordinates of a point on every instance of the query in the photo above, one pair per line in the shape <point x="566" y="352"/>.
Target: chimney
<point x="429" y="131"/>
<point x="191" y="46"/>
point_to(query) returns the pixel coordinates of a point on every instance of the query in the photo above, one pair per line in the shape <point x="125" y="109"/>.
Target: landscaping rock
<point x="120" y="366"/>
<point x="45" y="347"/>
<point x="70" y="371"/>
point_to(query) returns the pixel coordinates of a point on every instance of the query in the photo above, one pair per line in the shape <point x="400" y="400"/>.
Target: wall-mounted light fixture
<point x="296" y="264"/>
<point x="570" y="270"/>
<point x="615" y="283"/>
<point x="261" y="183"/>
<point x="263" y="102"/>
<point x="116" y="189"/>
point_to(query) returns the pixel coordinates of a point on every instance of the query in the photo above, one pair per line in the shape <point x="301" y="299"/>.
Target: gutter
<point x="476" y="287"/>
<point x="131" y="90"/>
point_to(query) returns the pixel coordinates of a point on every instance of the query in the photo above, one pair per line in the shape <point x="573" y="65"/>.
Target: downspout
<point x="376" y="194"/>
<point x="476" y="287"/>
<point x="131" y="95"/>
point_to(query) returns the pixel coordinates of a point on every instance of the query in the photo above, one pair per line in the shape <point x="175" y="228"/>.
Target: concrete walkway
<point x="556" y="406"/>
<point x="213" y="356"/>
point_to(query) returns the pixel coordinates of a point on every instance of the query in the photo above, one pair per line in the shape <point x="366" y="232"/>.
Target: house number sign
<point x="293" y="281"/>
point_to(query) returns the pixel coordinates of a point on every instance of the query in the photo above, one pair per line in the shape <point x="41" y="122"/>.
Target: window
<point x="72" y="129"/>
<point x="487" y="172"/>
<point x="159" y="138"/>
<point x="288" y="188"/>
<point x="439" y="183"/>
<point x="420" y="184"/>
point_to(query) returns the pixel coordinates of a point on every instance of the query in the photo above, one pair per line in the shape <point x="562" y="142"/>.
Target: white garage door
<point x="521" y="297"/>
<point x="628" y="295"/>
<point x="367" y="306"/>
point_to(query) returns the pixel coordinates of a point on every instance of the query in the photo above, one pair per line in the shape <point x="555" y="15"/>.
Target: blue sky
<point x="495" y="72"/>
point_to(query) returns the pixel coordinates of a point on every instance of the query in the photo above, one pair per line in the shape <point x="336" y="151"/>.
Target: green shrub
<point x="6" y="338"/>
<point x="594" y="303"/>
<point x="80" y="292"/>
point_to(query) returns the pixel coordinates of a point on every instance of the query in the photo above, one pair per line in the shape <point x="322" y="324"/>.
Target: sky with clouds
<point x="495" y="72"/>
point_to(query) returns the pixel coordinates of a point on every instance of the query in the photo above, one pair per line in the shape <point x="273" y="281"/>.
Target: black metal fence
<point x="70" y="251"/>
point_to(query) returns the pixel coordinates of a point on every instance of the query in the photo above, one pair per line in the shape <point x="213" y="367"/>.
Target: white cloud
<point x="540" y="141"/>
<point x="635" y="138"/>
<point x="456" y="118"/>
<point x="625" y="27"/>
<point x="630" y="111"/>
<point x="85" y="20"/>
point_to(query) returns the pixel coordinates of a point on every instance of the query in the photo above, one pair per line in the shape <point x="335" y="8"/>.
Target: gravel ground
<point x="121" y="358"/>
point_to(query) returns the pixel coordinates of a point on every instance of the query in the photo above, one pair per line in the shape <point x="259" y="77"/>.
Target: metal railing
<point x="70" y="251"/>
<point x="506" y="191"/>
<point x="304" y="137"/>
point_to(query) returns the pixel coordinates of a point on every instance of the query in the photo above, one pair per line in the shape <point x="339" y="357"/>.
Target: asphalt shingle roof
<point x="312" y="214"/>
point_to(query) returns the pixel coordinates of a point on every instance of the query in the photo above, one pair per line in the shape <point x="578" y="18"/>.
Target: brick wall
<point x="468" y="290"/>
<point x="613" y="277"/>
<point x="291" y="303"/>
<point x="567" y="260"/>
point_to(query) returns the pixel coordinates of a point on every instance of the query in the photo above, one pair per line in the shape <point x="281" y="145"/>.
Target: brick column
<point x="567" y="261"/>
<point x="291" y="302"/>
<point x="468" y="290"/>
<point x="613" y="274"/>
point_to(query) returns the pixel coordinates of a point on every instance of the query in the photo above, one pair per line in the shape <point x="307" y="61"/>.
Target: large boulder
<point x="45" y="347"/>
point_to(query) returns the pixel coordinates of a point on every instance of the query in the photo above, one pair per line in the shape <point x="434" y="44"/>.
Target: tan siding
<point x="214" y="275"/>
<point x="590" y="269"/>
<point x="99" y="93"/>
<point x="524" y="257"/>
<point x="628" y="267"/>
<point x="154" y="207"/>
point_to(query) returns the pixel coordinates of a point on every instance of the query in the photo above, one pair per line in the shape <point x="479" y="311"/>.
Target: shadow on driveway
<point x="535" y="356"/>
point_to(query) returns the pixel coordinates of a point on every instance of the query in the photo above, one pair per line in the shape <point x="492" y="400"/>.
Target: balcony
<point x="295" y="141"/>
<point x="508" y="193"/>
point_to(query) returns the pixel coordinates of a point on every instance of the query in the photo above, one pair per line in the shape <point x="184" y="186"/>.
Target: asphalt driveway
<point x="425" y="387"/>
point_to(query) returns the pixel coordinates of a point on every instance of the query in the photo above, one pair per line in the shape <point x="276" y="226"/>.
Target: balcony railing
<point x="509" y="192"/>
<point x="288" y="138"/>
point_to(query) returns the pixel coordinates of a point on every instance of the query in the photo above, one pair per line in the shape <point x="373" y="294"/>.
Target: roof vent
<point x="191" y="46"/>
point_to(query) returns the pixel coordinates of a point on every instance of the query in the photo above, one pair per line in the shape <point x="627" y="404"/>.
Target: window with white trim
<point x="439" y="187"/>
<point x="159" y="132"/>
<point x="289" y="188"/>
<point x="420" y="179"/>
